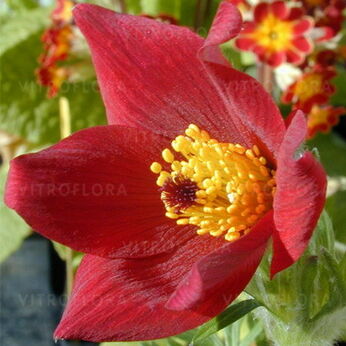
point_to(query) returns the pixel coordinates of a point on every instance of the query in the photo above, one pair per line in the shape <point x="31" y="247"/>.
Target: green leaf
<point x="254" y="332"/>
<point x="13" y="230"/>
<point x="338" y="99"/>
<point x="332" y="149"/>
<point x="229" y="316"/>
<point x="336" y="206"/>
<point x="134" y="6"/>
<point x="21" y="27"/>
<point x="20" y="5"/>
<point x="24" y="109"/>
<point x="156" y="7"/>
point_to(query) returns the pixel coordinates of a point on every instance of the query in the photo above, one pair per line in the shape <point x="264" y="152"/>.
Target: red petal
<point x="124" y="299"/>
<point x="303" y="25"/>
<point x="150" y="76"/>
<point x="299" y="199"/>
<point x="280" y="9"/>
<point x="95" y="192"/>
<point x="250" y="106"/>
<point x="244" y="43"/>
<point x="276" y="59"/>
<point x="226" y="271"/>
<point x="261" y="11"/>
<point x="295" y="13"/>
<point x="303" y="44"/>
<point x="294" y="57"/>
<point x="248" y="27"/>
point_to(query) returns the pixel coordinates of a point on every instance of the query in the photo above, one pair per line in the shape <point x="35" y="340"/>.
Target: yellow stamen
<point x="222" y="188"/>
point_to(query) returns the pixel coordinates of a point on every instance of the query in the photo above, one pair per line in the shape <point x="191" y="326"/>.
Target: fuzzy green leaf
<point x="229" y="316"/>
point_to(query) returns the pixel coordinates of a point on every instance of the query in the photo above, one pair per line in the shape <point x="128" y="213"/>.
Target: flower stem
<point x="198" y="15"/>
<point x="265" y="76"/>
<point x="122" y="6"/>
<point x="65" y="131"/>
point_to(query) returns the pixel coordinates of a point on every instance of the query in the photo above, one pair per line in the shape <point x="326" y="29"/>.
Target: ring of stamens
<point x="221" y="188"/>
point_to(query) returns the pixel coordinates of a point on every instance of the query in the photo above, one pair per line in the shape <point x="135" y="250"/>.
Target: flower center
<point x="274" y="34"/>
<point x="309" y="86"/>
<point x="221" y="188"/>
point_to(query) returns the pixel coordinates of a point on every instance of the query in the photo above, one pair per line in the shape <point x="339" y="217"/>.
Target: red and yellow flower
<point x="242" y="5"/>
<point x="62" y="14"/>
<point x="175" y="201"/>
<point x="323" y="118"/>
<point x="312" y="88"/>
<point x="57" y="41"/>
<point x="278" y="34"/>
<point x="328" y="14"/>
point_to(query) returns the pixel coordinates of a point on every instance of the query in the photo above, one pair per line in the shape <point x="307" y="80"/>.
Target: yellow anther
<point x="172" y="215"/>
<point x="168" y="156"/>
<point x="256" y="150"/>
<point x="232" y="236"/>
<point x="225" y="187"/>
<point x="263" y="160"/>
<point x="176" y="166"/>
<point x="183" y="221"/>
<point x="249" y="154"/>
<point x="155" y="167"/>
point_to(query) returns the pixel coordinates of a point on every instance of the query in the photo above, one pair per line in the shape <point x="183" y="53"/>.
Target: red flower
<point x="148" y="274"/>
<point x="323" y="118"/>
<point x="328" y="15"/>
<point x="277" y="34"/>
<point x="57" y="42"/>
<point x="312" y="88"/>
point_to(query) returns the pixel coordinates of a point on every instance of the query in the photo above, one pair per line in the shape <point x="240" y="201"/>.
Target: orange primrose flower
<point x="313" y="87"/>
<point x="323" y="118"/>
<point x="277" y="34"/>
<point x="57" y="45"/>
<point x="52" y="77"/>
<point x="62" y="13"/>
<point x="242" y="5"/>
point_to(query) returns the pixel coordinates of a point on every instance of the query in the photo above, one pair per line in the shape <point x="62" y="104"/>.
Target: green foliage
<point x="339" y="99"/>
<point x="229" y="316"/>
<point x="13" y="230"/>
<point x="22" y="5"/>
<point x="308" y="298"/>
<point x="24" y="109"/>
<point x="20" y="27"/>
<point x="241" y="333"/>
<point x="332" y="150"/>
<point x="336" y="206"/>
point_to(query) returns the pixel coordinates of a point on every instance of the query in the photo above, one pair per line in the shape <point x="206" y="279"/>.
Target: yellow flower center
<point x="318" y="116"/>
<point x="221" y="188"/>
<point x="309" y="86"/>
<point x="274" y="34"/>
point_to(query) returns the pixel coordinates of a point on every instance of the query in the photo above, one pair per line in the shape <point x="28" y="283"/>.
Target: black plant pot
<point x="31" y="300"/>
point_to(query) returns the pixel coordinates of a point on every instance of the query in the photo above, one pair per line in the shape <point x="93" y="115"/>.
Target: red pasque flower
<point x="323" y="118"/>
<point x="313" y="87"/>
<point x="175" y="201"/>
<point x="277" y="34"/>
